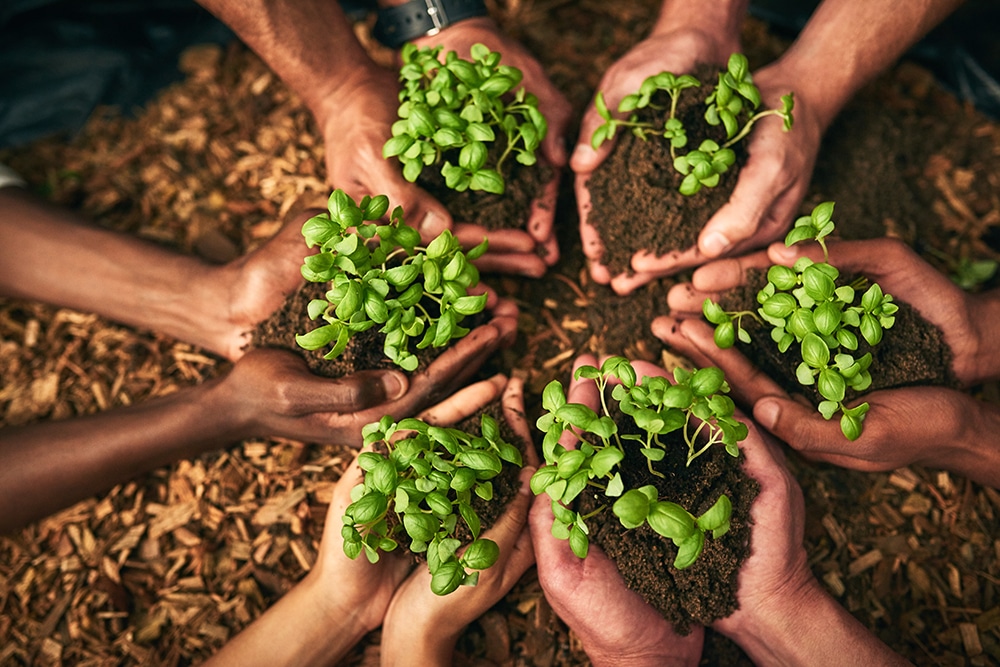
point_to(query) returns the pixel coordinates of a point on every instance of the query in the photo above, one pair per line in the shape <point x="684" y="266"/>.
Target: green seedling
<point x="804" y="306"/>
<point x="695" y="404"/>
<point x="418" y="487"/>
<point x="451" y="112"/>
<point x="733" y="103"/>
<point x="379" y="274"/>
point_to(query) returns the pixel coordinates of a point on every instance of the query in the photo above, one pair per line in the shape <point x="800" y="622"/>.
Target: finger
<point x="684" y="299"/>
<point x="513" y="410"/>
<point x="800" y="426"/>
<point x="694" y="338"/>
<point x="624" y="284"/>
<point x="593" y="247"/>
<point x="725" y="274"/>
<point x="508" y="528"/>
<point x="465" y="402"/>
<point x="351" y="477"/>
<point x="543" y="212"/>
<point x="309" y="393"/>
<point x="501" y="240"/>
<point x="527" y="264"/>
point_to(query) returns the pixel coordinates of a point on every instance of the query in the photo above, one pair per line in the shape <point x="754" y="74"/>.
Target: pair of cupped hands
<point x="615" y="625"/>
<point x="770" y="189"/>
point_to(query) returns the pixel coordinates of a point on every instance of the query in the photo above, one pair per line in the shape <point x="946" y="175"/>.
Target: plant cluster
<point x="418" y="488"/>
<point x="733" y="103"/>
<point x="804" y="305"/>
<point x="695" y="404"/>
<point x="379" y="274"/>
<point x="460" y="107"/>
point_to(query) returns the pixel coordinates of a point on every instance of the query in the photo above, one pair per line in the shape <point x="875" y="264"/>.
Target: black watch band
<point x="398" y="25"/>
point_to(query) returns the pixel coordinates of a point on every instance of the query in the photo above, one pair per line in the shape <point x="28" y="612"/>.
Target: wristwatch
<point x="398" y="25"/>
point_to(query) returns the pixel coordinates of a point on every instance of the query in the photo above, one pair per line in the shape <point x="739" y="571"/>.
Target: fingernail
<point x="714" y="244"/>
<point x="395" y="385"/>
<point x="431" y="225"/>
<point x="581" y="152"/>
<point x="767" y="412"/>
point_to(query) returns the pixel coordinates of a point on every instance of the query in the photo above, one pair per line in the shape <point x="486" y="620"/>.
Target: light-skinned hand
<point x="421" y="628"/>
<point x="615" y="624"/>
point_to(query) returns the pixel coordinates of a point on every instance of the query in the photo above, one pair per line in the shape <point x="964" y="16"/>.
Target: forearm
<point x="846" y="43"/>
<point x="49" y="254"/>
<point x="721" y="18"/>
<point x="301" y="629"/>
<point x="813" y="631"/>
<point x="310" y="44"/>
<point x="46" y="467"/>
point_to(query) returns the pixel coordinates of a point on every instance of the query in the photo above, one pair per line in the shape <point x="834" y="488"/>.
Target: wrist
<point x="719" y="22"/>
<point x="416" y="639"/>
<point x="402" y="21"/>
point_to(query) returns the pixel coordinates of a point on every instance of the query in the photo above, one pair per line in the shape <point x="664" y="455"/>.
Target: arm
<point x="843" y="47"/>
<point x="50" y="255"/>
<point x="312" y="47"/>
<point x="785" y="617"/>
<point x="47" y="466"/>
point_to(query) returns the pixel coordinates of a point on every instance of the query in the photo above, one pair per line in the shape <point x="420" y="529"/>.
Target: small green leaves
<point x="419" y="488"/>
<point x="378" y="275"/>
<point x="451" y="111"/>
<point x="805" y="305"/>
<point x="731" y="103"/>
<point x="694" y="404"/>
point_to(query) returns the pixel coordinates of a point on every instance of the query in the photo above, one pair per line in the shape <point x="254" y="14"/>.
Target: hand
<point x="273" y="393"/>
<point x="675" y="51"/>
<point x="770" y="188"/>
<point x="356" y="122"/>
<point x="420" y="627"/>
<point x="614" y="623"/>
<point x="513" y="251"/>
<point x="897" y="431"/>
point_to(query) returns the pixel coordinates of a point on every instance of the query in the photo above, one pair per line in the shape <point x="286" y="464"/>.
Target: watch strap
<point x="398" y="25"/>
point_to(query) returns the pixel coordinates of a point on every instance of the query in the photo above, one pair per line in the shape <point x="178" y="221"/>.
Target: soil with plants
<point x="166" y="568"/>
<point x="634" y="193"/>
<point x="706" y="590"/>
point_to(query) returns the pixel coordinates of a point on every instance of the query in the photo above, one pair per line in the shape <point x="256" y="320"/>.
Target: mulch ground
<point x="162" y="570"/>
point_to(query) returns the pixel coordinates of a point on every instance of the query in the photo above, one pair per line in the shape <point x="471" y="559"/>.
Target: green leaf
<point x="605" y="460"/>
<point x="725" y="335"/>
<point x="553" y="396"/>
<point x="542" y="478"/>
<point x="420" y="526"/>
<point x="447" y="578"/>
<point x="707" y="381"/>
<point x="671" y="520"/>
<point x="368" y="508"/>
<point x="814" y="351"/>
<point x="482" y="461"/>
<point x="487" y="180"/>
<point x="481" y="554"/>
<point x="713" y="312"/>
<point x="320" y="337"/>
<point x="578" y="542"/>
<point x="632" y="508"/>
<point x="689" y="550"/>
<point x="717" y="515"/>
<point x="831" y="385"/>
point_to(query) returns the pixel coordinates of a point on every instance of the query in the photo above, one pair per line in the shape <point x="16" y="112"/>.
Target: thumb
<point x="353" y="393"/>
<point x="586" y="158"/>
<point x="797" y="425"/>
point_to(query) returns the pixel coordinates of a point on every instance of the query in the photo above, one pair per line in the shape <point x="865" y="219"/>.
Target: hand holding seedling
<point x="421" y="628"/>
<point x="615" y="625"/>
<point x="733" y="102"/>
<point x="931" y="426"/>
<point x="453" y="109"/>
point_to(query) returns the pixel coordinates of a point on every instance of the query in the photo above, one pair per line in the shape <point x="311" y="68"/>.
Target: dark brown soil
<point x="507" y="211"/>
<point x="635" y="202"/>
<point x="505" y="485"/>
<point x="912" y="352"/>
<point x="364" y="351"/>
<point x="706" y="591"/>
